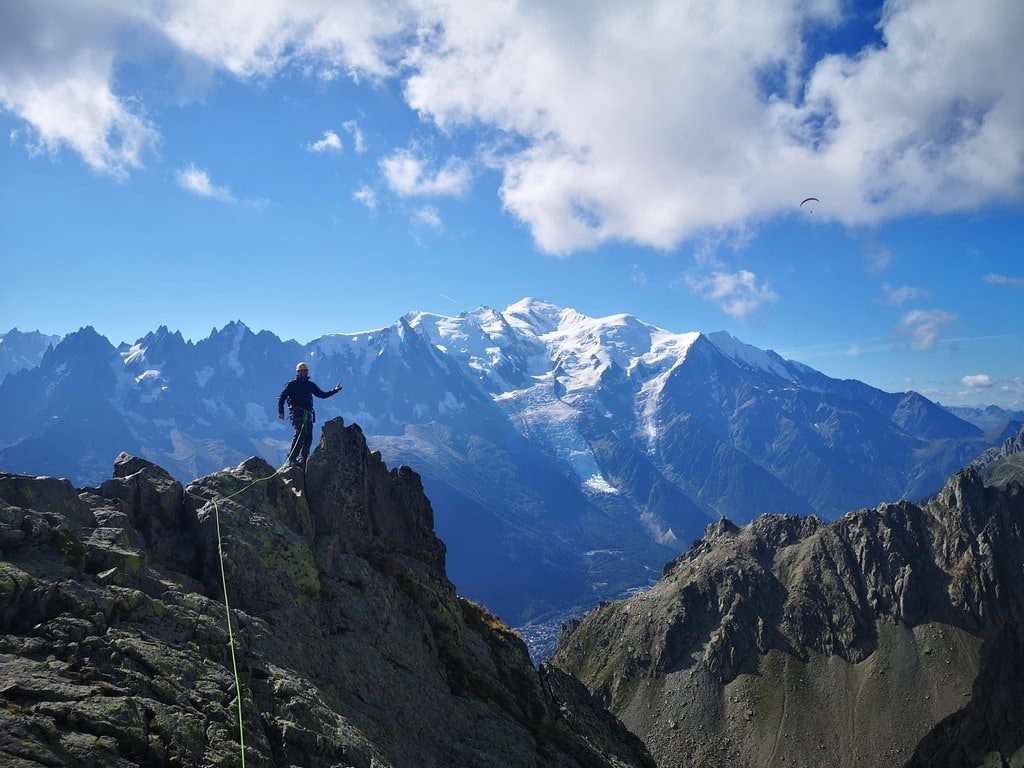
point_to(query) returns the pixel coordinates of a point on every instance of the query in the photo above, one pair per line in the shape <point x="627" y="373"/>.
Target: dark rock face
<point x="840" y="644"/>
<point x="990" y="729"/>
<point x="353" y="648"/>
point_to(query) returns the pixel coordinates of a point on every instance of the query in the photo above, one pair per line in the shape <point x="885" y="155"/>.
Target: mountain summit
<point x="568" y="457"/>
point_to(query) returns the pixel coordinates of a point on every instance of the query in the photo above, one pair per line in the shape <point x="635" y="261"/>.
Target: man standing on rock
<point x="299" y="394"/>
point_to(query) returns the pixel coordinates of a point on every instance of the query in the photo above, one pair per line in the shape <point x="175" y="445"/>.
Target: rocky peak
<point x="355" y="494"/>
<point x="1015" y="443"/>
<point x="126" y="465"/>
<point x="1005" y="462"/>
<point x="723" y="527"/>
<point x="802" y="594"/>
<point x="353" y="647"/>
<point x="231" y="328"/>
<point x="27" y="344"/>
<point x="82" y="347"/>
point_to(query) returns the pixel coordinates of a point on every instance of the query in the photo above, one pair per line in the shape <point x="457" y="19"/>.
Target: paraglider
<point x="807" y="200"/>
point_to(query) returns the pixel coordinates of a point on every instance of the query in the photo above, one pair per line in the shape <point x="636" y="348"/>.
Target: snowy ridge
<point x="482" y="342"/>
<point x="533" y="341"/>
<point x="552" y="370"/>
<point x="546" y="366"/>
<point x="668" y="350"/>
<point x="363" y="348"/>
<point x="752" y="357"/>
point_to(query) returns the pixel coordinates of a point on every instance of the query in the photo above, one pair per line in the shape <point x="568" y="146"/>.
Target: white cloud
<point x="59" y="60"/>
<point x="647" y="122"/>
<point x="13" y="136"/>
<point x="197" y="180"/>
<point x="354" y="130"/>
<point x="366" y="196"/>
<point x="737" y="294"/>
<point x="327" y="39"/>
<point x="328" y="143"/>
<point x="977" y="381"/>
<point x="428" y="216"/>
<point x="996" y="279"/>
<point x="57" y="64"/>
<point x="920" y="328"/>
<point x="894" y="296"/>
<point x="409" y="176"/>
<point x="736" y="238"/>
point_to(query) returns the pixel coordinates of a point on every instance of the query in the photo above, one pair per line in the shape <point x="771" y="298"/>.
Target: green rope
<point x="231" y="637"/>
<point x="224" y="583"/>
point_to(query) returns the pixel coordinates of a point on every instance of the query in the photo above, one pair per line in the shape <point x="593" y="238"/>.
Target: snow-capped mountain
<point x="567" y="457"/>
<point x="19" y="350"/>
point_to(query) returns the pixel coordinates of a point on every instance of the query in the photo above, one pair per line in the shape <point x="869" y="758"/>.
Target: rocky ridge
<point x="1003" y="463"/>
<point x="850" y="644"/>
<point x="353" y="647"/>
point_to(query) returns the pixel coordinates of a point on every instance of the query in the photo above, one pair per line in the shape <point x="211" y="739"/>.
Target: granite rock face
<point x="855" y="643"/>
<point x="353" y="648"/>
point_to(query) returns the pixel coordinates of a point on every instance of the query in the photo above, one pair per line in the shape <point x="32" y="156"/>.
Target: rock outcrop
<point x="789" y="641"/>
<point x="353" y="647"/>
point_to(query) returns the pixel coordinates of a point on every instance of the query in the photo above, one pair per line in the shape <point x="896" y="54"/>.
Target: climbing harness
<point x="223" y="577"/>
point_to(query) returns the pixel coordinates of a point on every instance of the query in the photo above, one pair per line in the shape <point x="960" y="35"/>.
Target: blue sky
<point x="312" y="168"/>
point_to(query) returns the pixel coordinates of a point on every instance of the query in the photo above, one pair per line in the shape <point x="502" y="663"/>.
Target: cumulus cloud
<point x="894" y="296"/>
<point x="358" y="140"/>
<point x="59" y="60"/>
<point x="920" y="328"/>
<point x="736" y="293"/>
<point x="366" y="196"/>
<point x="328" y="39"/>
<point x="197" y="180"/>
<point x="996" y="279"/>
<point x="57" y="63"/>
<point x="428" y="216"/>
<point x="977" y="381"/>
<point x="651" y="122"/>
<point x="328" y="143"/>
<point x="410" y="176"/>
<point x="648" y="122"/>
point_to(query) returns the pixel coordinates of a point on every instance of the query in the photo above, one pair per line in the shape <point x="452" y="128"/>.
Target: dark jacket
<point x="299" y="394"/>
